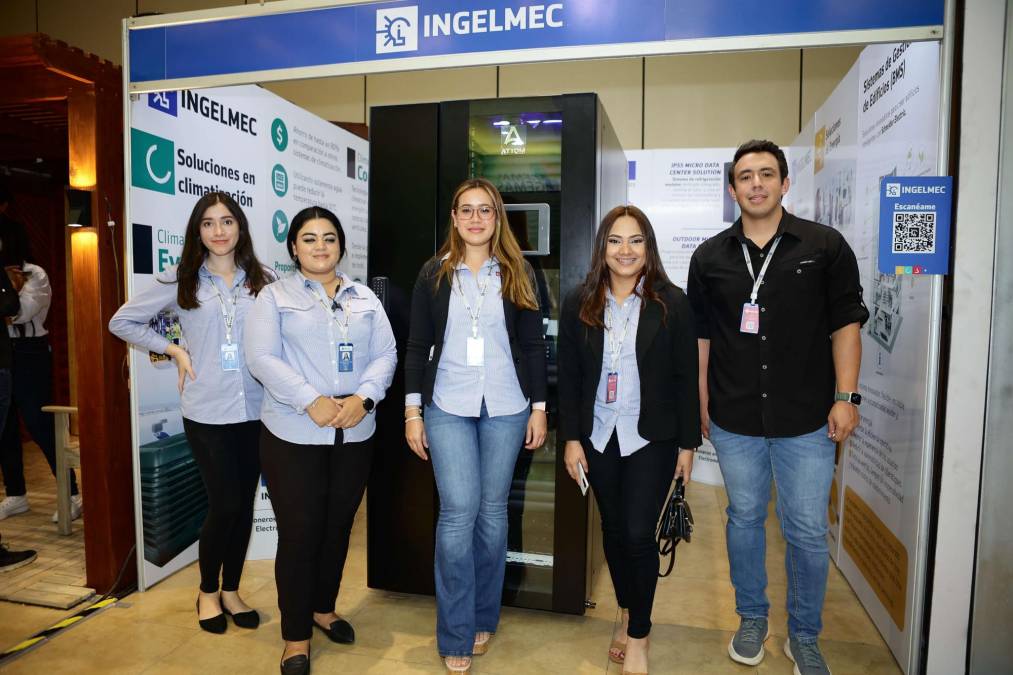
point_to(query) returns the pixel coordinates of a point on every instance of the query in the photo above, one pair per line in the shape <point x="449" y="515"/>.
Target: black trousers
<point x="32" y="372"/>
<point x="315" y="491"/>
<point x="229" y="462"/>
<point x="631" y="492"/>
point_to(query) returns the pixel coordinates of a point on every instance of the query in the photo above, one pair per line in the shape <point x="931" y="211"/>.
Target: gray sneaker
<point x="747" y="643"/>
<point x="806" y="656"/>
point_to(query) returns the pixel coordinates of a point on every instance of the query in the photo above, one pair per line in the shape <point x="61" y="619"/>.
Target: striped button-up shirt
<point x="291" y="345"/>
<point x="623" y="415"/>
<point x="217" y="396"/>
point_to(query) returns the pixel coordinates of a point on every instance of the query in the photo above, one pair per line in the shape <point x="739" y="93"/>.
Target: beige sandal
<point x="618" y="647"/>
<point x="482" y="647"/>
<point x="460" y="670"/>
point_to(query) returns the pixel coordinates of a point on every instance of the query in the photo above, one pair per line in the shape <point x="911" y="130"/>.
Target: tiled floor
<point x="156" y="632"/>
<point x="58" y="573"/>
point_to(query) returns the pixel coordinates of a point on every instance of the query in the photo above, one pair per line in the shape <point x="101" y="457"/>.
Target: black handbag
<point x="676" y="525"/>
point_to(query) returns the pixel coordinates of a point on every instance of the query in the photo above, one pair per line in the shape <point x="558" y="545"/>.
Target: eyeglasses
<point x="467" y="212"/>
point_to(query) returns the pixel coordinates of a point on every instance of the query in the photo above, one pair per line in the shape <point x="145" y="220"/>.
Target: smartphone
<point x="582" y="479"/>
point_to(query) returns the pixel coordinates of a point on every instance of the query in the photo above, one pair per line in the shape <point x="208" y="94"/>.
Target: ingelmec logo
<point x="165" y="101"/>
<point x="397" y="30"/>
<point x="893" y="189"/>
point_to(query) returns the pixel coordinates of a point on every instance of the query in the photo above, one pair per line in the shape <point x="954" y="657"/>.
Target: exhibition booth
<point x="194" y="121"/>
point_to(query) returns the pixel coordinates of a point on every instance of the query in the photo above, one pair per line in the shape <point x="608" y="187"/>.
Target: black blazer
<point x="429" y="324"/>
<point x="667" y="361"/>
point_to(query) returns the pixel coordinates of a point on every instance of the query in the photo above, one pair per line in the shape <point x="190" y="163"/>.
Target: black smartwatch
<point x="368" y="404"/>
<point x="852" y="397"/>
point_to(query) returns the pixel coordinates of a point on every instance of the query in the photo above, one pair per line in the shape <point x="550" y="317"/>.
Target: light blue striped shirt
<point x="291" y="346"/>
<point x="217" y="396"/>
<point x="623" y="415"/>
<point x="459" y="388"/>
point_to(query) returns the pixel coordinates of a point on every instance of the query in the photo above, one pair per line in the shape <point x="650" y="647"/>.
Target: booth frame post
<point x="965" y="436"/>
<point x="990" y="650"/>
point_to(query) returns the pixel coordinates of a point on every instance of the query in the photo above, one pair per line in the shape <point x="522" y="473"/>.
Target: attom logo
<point x="397" y="30"/>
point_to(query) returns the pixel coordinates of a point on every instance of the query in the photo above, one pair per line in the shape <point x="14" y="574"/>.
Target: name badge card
<point x="476" y="351"/>
<point x="230" y="357"/>
<point x="346" y="357"/>
<point x="612" y="388"/>
<point x="750" y="318"/>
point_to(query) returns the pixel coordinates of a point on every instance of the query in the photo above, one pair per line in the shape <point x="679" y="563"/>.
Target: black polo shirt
<point x="779" y="382"/>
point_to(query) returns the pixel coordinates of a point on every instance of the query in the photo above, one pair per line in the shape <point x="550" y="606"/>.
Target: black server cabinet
<point x="559" y="166"/>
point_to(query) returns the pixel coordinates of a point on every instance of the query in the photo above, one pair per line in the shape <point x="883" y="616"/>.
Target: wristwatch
<point x="852" y="397"/>
<point x="368" y="404"/>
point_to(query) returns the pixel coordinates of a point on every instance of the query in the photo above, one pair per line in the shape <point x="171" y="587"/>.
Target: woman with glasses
<point x="629" y="407"/>
<point x="476" y="385"/>
<point x="323" y="347"/>
<point x="211" y="291"/>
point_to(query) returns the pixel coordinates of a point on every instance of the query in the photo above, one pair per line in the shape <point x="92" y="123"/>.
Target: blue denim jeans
<point x="473" y="459"/>
<point x="802" y="468"/>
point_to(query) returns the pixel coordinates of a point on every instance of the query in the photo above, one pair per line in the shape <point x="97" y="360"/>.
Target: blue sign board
<point x="914" y="224"/>
<point x="414" y="28"/>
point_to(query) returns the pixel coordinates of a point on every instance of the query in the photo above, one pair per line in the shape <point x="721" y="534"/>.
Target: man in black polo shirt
<point x="779" y="311"/>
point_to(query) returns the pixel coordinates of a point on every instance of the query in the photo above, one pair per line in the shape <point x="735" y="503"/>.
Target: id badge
<point x="612" y="388"/>
<point x="230" y="357"/>
<point x="750" y="318"/>
<point x="346" y="357"/>
<point x="476" y="351"/>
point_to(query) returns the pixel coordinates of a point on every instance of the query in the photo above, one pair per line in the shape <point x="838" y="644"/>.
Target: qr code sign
<point x="914" y="232"/>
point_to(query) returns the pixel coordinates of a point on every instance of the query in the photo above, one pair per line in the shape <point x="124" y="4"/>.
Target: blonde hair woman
<point x="475" y="362"/>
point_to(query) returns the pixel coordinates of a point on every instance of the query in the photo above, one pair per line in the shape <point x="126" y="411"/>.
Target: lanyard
<point x="757" y="281"/>
<point x="615" y="346"/>
<point x="343" y="327"/>
<point x="227" y="316"/>
<point x="477" y="311"/>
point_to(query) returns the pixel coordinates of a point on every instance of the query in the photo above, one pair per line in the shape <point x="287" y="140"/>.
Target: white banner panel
<point x="833" y="174"/>
<point x="275" y="159"/>
<point x="684" y="194"/>
<point x="881" y="501"/>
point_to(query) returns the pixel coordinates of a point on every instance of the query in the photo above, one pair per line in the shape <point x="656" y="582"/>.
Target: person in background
<point x="212" y="291"/>
<point x="10" y="304"/>
<point x="31" y="373"/>
<point x="779" y="311"/>
<point x="323" y="347"/>
<point x="629" y="411"/>
<point x="476" y="361"/>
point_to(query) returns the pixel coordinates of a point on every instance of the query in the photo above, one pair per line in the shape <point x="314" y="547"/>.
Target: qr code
<point x="914" y="232"/>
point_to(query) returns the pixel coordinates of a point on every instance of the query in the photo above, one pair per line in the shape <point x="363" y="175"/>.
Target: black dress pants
<point x="631" y="492"/>
<point x="229" y="463"/>
<point x="32" y="372"/>
<point x="315" y="491"/>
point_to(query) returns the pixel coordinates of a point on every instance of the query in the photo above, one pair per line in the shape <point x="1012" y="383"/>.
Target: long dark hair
<point x="592" y="297"/>
<point x="306" y="215"/>
<point x="194" y="251"/>
<point x="516" y="285"/>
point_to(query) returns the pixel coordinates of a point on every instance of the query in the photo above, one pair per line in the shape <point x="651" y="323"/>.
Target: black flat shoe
<point x="296" y="665"/>
<point x="340" y="631"/>
<point x="216" y="624"/>
<point x="248" y="619"/>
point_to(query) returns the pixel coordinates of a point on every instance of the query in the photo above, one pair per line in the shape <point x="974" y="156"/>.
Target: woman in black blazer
<point x="629" y="407"/>
<point x="475" y="360"/>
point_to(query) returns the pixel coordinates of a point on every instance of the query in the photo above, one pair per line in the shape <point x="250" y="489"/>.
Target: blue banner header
<point x="397" y="30"/>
